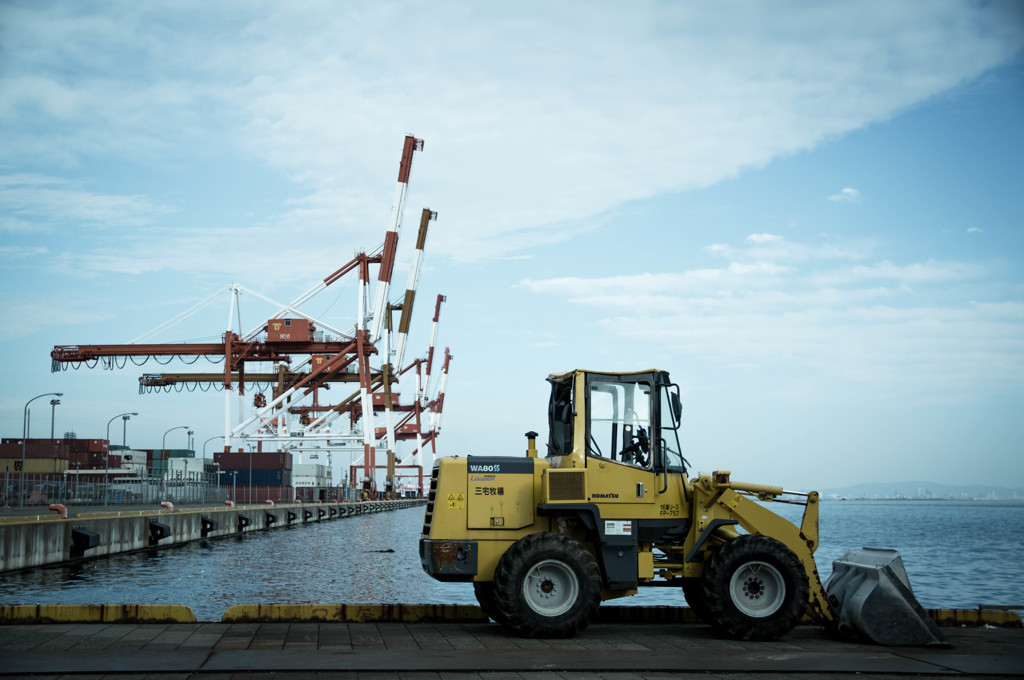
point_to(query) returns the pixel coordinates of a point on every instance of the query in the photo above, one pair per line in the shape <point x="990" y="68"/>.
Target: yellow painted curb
<point x="96" y="613"/>
<point x="970" y="618"/>
<point x="354" y="613"/>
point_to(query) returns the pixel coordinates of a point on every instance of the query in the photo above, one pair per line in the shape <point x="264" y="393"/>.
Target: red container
<point x="289" y="330"/>
<point x="85" y="460"/>
<point x="262" y="460"/>
<point x="260" y="494"/>
<point x="95" y="445"/>
<point x="379" y="400"/>
<point x="34" y="448"/>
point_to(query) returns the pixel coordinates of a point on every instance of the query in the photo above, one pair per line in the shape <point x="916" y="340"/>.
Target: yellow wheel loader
<point x="609" y="508"/>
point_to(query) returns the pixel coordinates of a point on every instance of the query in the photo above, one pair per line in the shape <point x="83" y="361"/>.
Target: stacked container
<point x="256" y="476"/>
<point x="54" y="456"/>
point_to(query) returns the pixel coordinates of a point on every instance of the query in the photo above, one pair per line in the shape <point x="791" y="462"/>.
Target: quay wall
<point x="40" y="540"/>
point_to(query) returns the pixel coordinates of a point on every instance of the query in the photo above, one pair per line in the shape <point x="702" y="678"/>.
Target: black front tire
<point x="755" y="588"/>
<point x="693" y="591"/>
<point x="547" y="585"/>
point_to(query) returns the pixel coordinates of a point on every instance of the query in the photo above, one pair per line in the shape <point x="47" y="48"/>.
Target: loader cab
<point x="627" y="418"/>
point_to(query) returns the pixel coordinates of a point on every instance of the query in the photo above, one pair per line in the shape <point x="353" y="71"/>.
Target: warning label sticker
<point x="456" y="501"/>
<point x="618" y="527"/>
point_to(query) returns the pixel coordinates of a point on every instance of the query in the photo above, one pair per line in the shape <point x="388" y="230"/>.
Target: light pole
<point x="106" y="455"/>
<point x="124" y="432"/>
<point x="250" y="473"/>
<point x="24" y="442"/>
<point x="179" y="427"/>
<point x="220" y="436"/>
<point x="53" y="414"/>
<point x="217" y="499"/>
<point x="163" y="445"/>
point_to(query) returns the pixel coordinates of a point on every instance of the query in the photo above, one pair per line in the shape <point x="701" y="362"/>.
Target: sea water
<point x="957" y="554"/>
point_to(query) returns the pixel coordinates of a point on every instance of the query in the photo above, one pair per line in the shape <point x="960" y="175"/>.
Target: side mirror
<point x="677" y="406"/>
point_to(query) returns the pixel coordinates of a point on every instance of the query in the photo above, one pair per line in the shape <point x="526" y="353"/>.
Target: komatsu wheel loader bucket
<point x="871" y="595"/>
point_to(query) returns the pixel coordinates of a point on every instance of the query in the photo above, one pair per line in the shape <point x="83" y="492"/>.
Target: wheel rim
<point x="551" y="588"/>
<point x="757" y="589"/>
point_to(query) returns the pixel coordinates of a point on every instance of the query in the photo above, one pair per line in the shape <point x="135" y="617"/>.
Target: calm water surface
<point x="957" y="554"/>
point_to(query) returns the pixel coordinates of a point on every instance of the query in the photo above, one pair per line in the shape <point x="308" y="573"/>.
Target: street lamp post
<point x="217" y="500"/>
<point x="163" y="445"/>
<point x="250" y="473"/>
<point x="53" y="414"/>
<point x="220" y="436"/>
<point x="106" y="455"/>
<point x="24" y="443"/>
<point x="179" y="427"/>
<point x="124" y="432"/>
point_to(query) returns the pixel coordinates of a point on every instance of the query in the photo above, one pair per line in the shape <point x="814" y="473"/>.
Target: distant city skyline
<point x="809" y="213"/>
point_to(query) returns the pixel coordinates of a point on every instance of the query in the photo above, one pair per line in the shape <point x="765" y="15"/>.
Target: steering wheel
<point x="644" y="444"/>
<point x="638" y="451"/>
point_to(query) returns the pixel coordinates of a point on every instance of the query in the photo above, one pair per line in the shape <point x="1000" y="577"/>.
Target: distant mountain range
<point x="923" y="491"/>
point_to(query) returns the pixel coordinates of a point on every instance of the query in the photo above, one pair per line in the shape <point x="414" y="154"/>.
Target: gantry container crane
<point x="297" y="416"/>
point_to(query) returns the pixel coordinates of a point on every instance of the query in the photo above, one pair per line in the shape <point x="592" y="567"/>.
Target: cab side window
<point x="620" y="421"/>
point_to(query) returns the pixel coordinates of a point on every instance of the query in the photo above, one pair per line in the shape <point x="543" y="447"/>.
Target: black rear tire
<point x="755" y="588"/>
<point x="484" y="591"/>
<point x="547" y="585"/>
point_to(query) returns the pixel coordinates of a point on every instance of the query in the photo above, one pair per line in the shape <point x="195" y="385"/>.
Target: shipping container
<point x="278" y="494"/>
<point x="409" y="429"/>
<point x="311" y="469"/>
<point x="289" y="330"/>
<point x="257" y="477"/>
<point x="35" y="466"/>
<point x="260" y="494"/>
<point x="257" y="460"/>
<point x="379" y="400"/>
<point x="34" y="448"/>
<point x="94" y="445"/>
<point x="71" y="444"/>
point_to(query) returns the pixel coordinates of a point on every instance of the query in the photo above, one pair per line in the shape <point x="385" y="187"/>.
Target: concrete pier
<point x="42" y="538"/>
<point x="484" y="651"/>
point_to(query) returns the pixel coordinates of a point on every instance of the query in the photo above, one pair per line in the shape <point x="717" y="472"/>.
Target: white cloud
<point x="21" y="252"/>
<point x="537" y="118"/>
<point x="763" y="238"/>
<point x="42" y="313"/>
<point x="929" y="271"/>
<point x="974" y="230"/>
<point x="905" y="329"/>
<point x="48" y="200"/>
<point x="847" y="195"/>
<point x="772" y="248"/>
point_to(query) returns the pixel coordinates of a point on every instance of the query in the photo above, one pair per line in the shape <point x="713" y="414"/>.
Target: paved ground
<point x="471" y="651"/>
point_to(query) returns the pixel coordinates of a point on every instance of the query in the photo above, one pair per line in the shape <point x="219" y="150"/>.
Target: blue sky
<point x="809" y="213"/>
